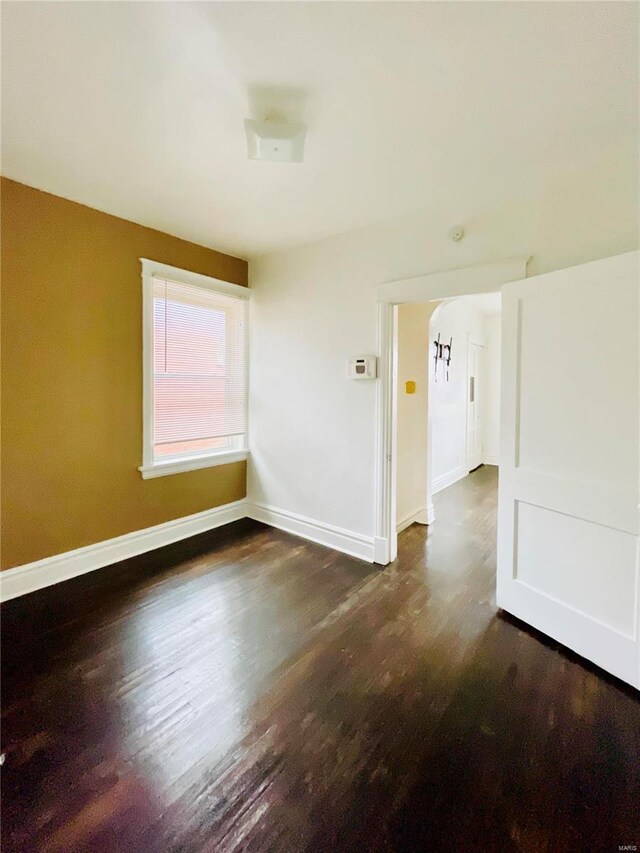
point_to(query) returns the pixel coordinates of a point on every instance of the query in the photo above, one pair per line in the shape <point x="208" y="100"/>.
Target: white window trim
<point x="149" y="467"/>
<point x="177" y="466"/>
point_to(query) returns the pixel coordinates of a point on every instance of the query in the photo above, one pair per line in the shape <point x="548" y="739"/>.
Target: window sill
<point x="178" y="466"/>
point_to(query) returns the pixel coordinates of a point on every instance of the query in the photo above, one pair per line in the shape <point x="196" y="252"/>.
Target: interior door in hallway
<point x="570" y="460"/>
<point x="474" y="406"/>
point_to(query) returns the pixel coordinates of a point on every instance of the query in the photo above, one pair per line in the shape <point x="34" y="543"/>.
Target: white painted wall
<point x="412" y="358"/>
<point x="312" y="429"/>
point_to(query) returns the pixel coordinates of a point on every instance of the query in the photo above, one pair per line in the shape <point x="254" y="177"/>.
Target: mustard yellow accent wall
<point x="72" y="378"/>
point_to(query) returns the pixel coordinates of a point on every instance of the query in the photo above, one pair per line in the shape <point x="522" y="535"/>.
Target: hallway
<point x="247" y="690"/>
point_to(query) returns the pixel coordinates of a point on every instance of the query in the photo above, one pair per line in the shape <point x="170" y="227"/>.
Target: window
<point x="195" y="370"/>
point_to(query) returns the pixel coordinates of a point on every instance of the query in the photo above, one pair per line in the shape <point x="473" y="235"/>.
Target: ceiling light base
<point x="281" y="142"/>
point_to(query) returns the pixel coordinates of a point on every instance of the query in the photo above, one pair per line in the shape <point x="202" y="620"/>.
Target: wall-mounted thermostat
<point x="363" y="367"/>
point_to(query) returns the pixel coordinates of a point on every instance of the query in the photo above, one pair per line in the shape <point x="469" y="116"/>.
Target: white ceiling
<point x="137" y="108"/>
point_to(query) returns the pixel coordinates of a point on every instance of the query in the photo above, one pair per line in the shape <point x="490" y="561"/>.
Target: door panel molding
<point x="568" y="518"/>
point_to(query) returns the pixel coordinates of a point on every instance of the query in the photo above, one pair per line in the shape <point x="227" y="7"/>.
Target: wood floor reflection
<point x="250" y="691"/>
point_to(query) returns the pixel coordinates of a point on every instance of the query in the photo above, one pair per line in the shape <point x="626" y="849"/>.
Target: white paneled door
<point x="475" y="394"/>
<point x="569" y="496"/>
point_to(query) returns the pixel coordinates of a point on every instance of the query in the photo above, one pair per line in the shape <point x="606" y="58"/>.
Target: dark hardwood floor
<point x="250" y="691"/>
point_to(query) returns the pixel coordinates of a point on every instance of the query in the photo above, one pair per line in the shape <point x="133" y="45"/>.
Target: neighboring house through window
<point x="195" y="370"/>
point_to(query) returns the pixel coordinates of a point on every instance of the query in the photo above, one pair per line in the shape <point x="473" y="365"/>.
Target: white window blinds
<point x="199" y="370"/>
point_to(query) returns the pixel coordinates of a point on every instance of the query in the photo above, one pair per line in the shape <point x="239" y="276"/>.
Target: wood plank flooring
<point x="249" y="691"/>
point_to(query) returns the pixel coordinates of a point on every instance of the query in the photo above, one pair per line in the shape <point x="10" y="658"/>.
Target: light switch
<point x="363" y="367"/>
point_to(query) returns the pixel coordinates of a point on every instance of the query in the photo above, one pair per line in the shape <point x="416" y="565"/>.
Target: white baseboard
<point x="448" y="479"/>
<point x="420" y="516"/>
<point x="354" y="544"/>
<point x="431" y="513"/>
<point x="381" y="551"/>
<point x="61" y="567"/>
<point x="491" y="459"/>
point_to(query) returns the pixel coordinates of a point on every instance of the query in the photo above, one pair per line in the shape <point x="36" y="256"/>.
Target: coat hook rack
<point x="442" y="353"/>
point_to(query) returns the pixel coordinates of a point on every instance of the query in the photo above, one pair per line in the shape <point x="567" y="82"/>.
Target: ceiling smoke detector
<point x="279" y="141"/>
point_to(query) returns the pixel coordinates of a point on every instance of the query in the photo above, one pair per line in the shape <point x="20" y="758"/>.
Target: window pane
<point x="182" y="448"/>
<point x="199" y="369"/>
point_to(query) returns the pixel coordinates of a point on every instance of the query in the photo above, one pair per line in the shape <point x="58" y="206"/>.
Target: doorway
<point x="447" y="398"/>
<point x="480" y="279"/>
<point x="464" y="388"/>
<point x="568" y="493"/>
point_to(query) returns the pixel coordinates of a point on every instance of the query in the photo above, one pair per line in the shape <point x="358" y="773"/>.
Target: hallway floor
<point x="247" y="690"/>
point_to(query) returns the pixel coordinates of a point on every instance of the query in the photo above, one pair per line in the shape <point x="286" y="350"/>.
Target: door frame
<point x="482" y="278"/>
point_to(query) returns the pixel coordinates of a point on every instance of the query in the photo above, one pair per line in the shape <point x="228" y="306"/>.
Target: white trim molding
<point x="386" y="540"/>
<point x="490" y="459"/>
<point x="482" y="278"/>
<point x="154" y="269"/>
<point x="337" y="538"/>
<point x="193" y="463"/>
<point x="61" y="567"/>
<point x="381" y="551"/>
<point x="236" y="447"/>
<point x="448" y="479"/>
